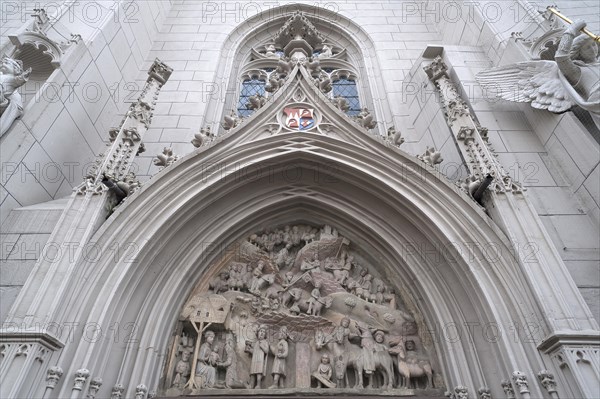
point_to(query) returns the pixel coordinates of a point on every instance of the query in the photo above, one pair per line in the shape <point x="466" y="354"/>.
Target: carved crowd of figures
<point x="302" y="278"/>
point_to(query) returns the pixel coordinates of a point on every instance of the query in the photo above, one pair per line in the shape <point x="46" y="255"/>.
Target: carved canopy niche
<point x="299" y="307"/>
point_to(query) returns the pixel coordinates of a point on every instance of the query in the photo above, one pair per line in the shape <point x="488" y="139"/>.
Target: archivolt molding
<point x="172" y="253"/>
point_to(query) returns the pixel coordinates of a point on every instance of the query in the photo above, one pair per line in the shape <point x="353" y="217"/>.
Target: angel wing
<point x="537" y="82"/>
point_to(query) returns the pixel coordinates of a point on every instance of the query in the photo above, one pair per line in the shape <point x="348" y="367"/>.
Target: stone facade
<point x="129" y="187"/>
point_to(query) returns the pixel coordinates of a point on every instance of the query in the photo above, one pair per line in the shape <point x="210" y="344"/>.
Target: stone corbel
<point x="34" y="34"/>
<point x="580" y="354"/>
<point x="41" y="42"/>
<point x="545" y="46"/>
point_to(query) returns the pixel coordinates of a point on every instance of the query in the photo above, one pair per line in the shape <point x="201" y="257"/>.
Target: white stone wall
<point x="191" y="37"/>
<point x="65" y="126"/>
<point x="552" y="155"/>
<point x="23" y="240"/>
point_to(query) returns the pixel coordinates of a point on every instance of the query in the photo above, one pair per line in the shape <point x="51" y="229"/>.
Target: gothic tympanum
<point x="297" y="307"/>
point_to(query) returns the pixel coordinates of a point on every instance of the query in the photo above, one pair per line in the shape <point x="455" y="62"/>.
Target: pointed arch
<point x="216" y="195"/>
<point x="336" y="27"/>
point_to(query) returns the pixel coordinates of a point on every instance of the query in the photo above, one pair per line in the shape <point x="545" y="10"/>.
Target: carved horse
<point x="410" y="368"/>
<point x="351" y="356"/>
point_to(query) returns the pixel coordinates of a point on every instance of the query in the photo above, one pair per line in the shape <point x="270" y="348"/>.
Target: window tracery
<point x="298" y="41"/>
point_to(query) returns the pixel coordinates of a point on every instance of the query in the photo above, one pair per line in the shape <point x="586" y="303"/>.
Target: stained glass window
<point x="250" y="87"/>
<point x="347" y="89"/>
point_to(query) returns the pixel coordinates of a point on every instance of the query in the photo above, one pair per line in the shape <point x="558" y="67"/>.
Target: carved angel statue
<point x="12" y="76"/>
<point x="572" y="79"/>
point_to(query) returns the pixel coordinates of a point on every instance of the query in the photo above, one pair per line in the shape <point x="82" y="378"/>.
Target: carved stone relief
<point x="298" y="308"/>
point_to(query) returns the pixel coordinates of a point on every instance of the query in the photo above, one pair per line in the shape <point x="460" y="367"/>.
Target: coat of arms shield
<point x="299" y="118"/>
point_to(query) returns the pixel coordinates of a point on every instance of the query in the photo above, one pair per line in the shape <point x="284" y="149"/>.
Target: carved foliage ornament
<point x="484" y="393"/>
<point x="167" y="158"/>
<point x="520" y="380"/>
<point x="117" y="391"/>
<point x="141" y="391"/>
<point x="94" y="387"/>
<point x="81" y="377"/>
<point x="53" y="375"/>
<point x="547" y="380"/>
<point x="508" y="389"/>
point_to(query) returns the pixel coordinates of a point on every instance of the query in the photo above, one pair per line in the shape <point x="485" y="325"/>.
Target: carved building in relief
<point x="302" y="201"/>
